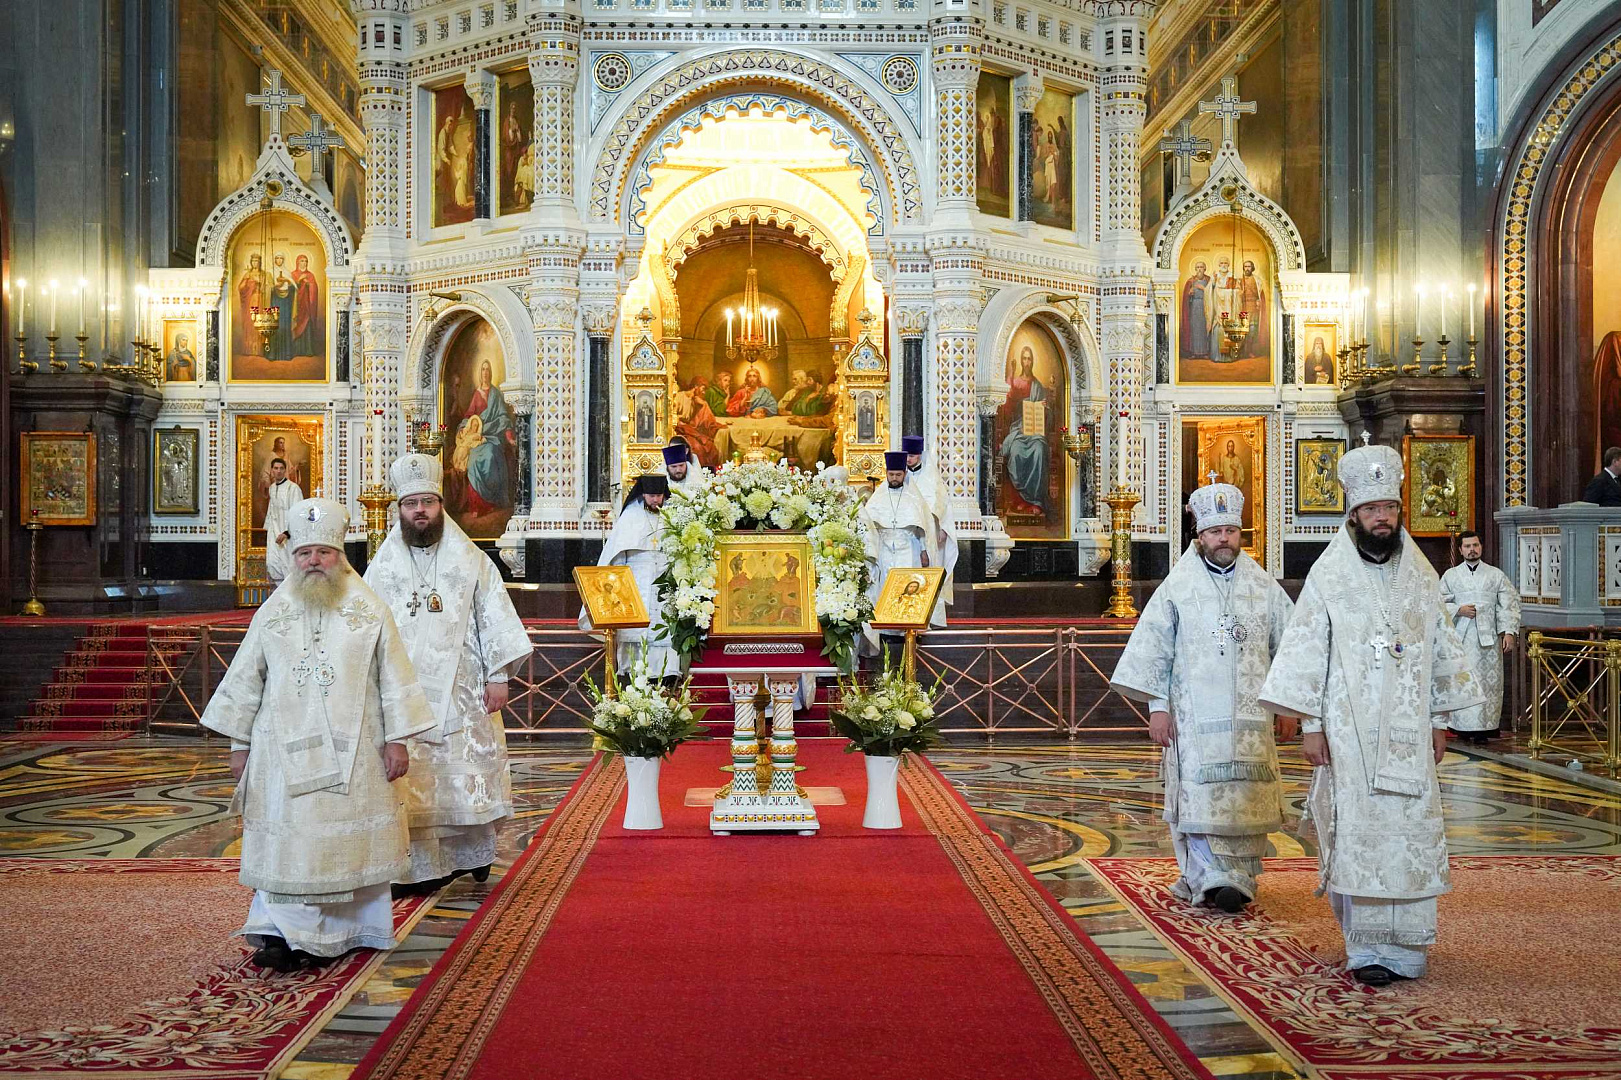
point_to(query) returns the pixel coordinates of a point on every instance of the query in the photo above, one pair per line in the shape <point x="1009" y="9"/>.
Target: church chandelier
<point x="756" y="338"/>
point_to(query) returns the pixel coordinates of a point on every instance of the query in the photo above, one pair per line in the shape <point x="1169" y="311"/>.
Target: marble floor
<point x="1056" y="805"/>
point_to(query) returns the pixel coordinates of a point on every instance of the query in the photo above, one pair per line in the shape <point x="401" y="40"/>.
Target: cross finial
<point x="1228" y="108"/>
<point x="1210" y="477"/>
<point x="1367" y="436"/>
<point x="275" y="99"/>
<point x="1184" y="146"/>
<point x="318" y="141"/>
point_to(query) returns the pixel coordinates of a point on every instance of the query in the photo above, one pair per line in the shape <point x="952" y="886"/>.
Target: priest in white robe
<point x="282" y="494"/>
<point x="922" y="474"/>
<point x="1197" y="657"/>
<point x="1371" y="665"/>
<point x="899" y="528"/>
<point x="634" y="542"/>
<point x="687" y="478"/>
<point x="465" y="640"/>
<point x="320" y="703"/>
<point x="1484" y="607"/>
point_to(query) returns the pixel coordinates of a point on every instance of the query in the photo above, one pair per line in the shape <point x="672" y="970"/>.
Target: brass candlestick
<point x="85" y="364"/>
<point x="1453" y="529"/>
<point x="1418" y="358"/>
<point x="375" y="498"/>
<point x="51" y="358"/>
<point x="1121" y="500"/>
<point x="24" y="365"/>
<point x="1345" y="355"/>
<point x="33" y="606"/>
<point x="1440" y="366"/>
<point x="1470" y="370"/>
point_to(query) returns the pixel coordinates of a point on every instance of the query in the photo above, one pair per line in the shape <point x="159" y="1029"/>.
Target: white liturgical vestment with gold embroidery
<point x="899" y="529"/>
<point x="1497" y="611"/>
<point x="459" y="786"/>
<point x="1201" y="651"/>
<point x="634" y="542"/>
<point x="279" y="555"/>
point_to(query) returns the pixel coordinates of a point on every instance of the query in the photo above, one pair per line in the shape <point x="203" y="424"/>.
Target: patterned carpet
<point x="1509" y="992"/>
<point x="118" y="966"/>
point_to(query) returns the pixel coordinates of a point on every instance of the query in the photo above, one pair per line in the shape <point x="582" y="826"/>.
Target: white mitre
<point x="1371" y="474"/>
<point x="416" y="474"/>
<point x="317" y="521"/>
<point x="1215" y="505"/>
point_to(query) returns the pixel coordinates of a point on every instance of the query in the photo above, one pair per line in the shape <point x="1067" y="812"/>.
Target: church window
<point x="1125" y="41"/>
<point x="1021" y="19"/>
<point x="899" y="75"/>
<point x="905" y="5"/>
<point x="486" y="16"/>
<point x="754" y="5"/>
<point x="718" y="5"/>
<point x="832" y="6"/>
<point x="1043" y="27"/>
<point x="377" y="34"/>
<point x="1063" y="33"/>
<point x="866" y="5"/>
<point x="422" y="34"/>
<point x="605" y="5"/>
<point x="464" y="22"/>
<point x="1108" y="43"/>
<point x="397" y="37"/>
<point x="611" y="71"/>
<point x="793" y="5"/>
<point x="443" y="27"/>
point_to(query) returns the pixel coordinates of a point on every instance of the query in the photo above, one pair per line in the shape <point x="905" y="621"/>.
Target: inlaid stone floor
<point x="1056" y="805"/>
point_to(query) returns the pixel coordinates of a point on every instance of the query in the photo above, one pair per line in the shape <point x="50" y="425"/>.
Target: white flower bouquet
<point x="639" y="716"/>
<point x="893" y="716"/>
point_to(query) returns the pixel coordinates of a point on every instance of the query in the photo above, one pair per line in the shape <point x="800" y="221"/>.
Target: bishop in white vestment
<point x="1371" y="665"/>
<point x="634" y="542"/>
<point x="319" y="704"/>
<point x="899" y="529"/>
<point x="1198" y="657"/>
<point x="922" y="474"/>
<point x="465" y="639"/>
<point x="1485" y="609"/>
<point x="283" y="495"/>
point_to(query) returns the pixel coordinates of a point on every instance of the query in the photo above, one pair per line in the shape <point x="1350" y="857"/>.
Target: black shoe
<point x="306" y="961"/>
<point x="482" y="874"/>
<point x="1374" y="975"/>
<point x="1227" y="899"/>
<point x="275" y="955"/>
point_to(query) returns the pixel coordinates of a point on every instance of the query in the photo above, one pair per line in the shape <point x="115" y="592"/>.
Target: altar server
<point x="898" y="525"/>
<point x="634" y="542"/>
<point x="465" y="640"/>
<point x="281" y="494"/>
<point x="1198" y="656"/>
<point x="320" y="703"/>
<point x="686" y="476"/>
<point x="1372" y="666"/>
<point x="922" y="474"/>
<point x="1485" y="610"/>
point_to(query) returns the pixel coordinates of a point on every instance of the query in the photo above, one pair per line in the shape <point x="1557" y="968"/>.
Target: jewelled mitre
<point x="1215" y="505"/>
<point x="416" y="474"/>
<point x="1371" y="474"/>
<point x="317" y="521"/>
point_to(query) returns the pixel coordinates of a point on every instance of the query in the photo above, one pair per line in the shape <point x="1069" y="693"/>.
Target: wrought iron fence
<point x="992" y="680"/>
<point x="1575" y="701"/>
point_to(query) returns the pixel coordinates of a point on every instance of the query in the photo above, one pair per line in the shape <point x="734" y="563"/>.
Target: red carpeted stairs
<point x="102" y="684"/>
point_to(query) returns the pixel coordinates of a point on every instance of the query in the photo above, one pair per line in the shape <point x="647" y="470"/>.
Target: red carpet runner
<point x="920" y="953"/>
<point x="100" y="687"/>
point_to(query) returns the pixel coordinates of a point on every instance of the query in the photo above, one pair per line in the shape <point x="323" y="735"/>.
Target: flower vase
<point x="883" y="803"/>
<point x="642" y="801"/>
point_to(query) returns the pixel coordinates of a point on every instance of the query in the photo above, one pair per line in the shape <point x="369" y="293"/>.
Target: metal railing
<point x="992" y="680"/>
<point x="1576" y="698"/>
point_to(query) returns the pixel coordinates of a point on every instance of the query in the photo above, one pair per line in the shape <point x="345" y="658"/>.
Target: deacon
<point x="465" y="639"/>
<point x="1371" y="665"/>
<point x="320" y="703"/>
<point x="686" y="477"/>
<point x="1198" y="657"/>
<point x="922" y="474"/>
<point x="634" y="542"/>
<point x="1485" y="610"/>
<point x="283" y="494"/>
<point x="899" y="528"/>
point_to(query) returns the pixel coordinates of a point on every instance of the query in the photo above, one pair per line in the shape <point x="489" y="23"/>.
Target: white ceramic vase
<point x="642" y="806"/>
<point x="883" y="802"/>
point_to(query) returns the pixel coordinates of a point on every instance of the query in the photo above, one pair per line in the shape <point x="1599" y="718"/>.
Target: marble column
<point x="481" y="88"/>
<point x="599" y="411"/>
<point x="911" y="322"/>
<point x="1027" y="90"/>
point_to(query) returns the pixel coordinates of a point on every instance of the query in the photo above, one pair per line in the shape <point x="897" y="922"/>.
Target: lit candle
<point x="377" y="446"/>
<point x="1418" y="314"/>
<point x="1471" y="311"/>
<point x="728" y="326"/>
<point x="1445" y="296"/>
<point x="84" y="288"/>
<point x="140" y="313"/>
<point x="52" y="287"/>
<point x="22" y="307"/>
<point x="1365" y="292"/>
<point x="1120" y="444"/>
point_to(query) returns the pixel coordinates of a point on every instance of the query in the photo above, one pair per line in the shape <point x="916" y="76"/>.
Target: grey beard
<point x="1222" y="557"/>
<point x="322" y="593"/>
<point x="1379" y="548"/>
<point x="426" y="537"/>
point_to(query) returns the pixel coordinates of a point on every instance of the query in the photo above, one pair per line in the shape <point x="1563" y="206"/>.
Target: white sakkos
<point x="1496" y="604"/>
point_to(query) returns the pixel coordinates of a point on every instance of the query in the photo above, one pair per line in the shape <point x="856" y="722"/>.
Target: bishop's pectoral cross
<point x="413" y="605"/>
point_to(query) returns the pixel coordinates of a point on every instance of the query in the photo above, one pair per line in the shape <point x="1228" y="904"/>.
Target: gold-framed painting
<point x="277" y="264"/>
<point x="1319" y="345"/>
<point x="1225" y="277"/>
<point x="58" y="470"/>
<point x="994" y="128"/>
<point x="1317" y="472"/>
<point x="1235" y="450"/>
<point x="180" y="343"/>
<point x="1439" y="483"/>
<point x="766" y="586"/>
<point x="610" y="597"/>
<point x="908" y="597"/>
<point x="176" y="471"/>
<point x="297" y="440"/>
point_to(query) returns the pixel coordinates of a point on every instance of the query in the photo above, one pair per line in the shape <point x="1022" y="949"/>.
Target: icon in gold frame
<point x="908" y="598"/>
<point x="610" y="597"/>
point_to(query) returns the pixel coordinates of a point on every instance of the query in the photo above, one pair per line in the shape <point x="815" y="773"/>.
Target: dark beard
<point x="425" y="537"/>
<point x="1376" y="548"/>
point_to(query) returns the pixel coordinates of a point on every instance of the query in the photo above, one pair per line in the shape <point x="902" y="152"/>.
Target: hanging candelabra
<point x="755" y="341"/>
<point x="266" y="318"/>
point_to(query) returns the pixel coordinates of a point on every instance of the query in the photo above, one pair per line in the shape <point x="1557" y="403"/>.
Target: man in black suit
<point x="1605" y="488"/>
